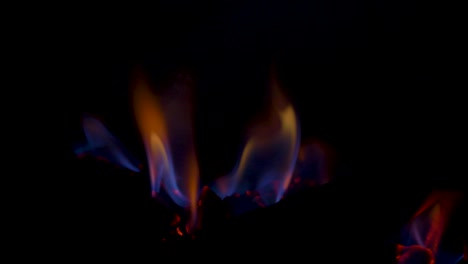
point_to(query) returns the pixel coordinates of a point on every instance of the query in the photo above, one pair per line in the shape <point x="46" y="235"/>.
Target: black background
<point x="365" y="76"/>
<point x="376" y="80"/>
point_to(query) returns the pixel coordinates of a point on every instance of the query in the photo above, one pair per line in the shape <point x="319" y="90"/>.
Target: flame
<point x="428" y="225"/>
<point x="193" y="188"/>
<point x="268" y="158"/>
<point x="152" y="127"/>
<point x="431" y="219"/>
<point x="102" y="144"/>
<point x="179" y="232"/>
<point x="465" y="251"/>
<point x="156" y="122"/>
<point x="414" y="254"/>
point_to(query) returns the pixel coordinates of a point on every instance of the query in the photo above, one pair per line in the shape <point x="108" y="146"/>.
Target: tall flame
<point x="156" y="122"/>
<point x="268" y="158"/>
<point x="152" y="127"/>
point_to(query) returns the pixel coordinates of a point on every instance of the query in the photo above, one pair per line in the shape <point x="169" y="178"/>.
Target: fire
<point x="427" y="227"/>
<point x="415" y="254"/>
<point x="438" y="208"/>
<point x="179" y="232"/>
<point x="268" y="158"/>
<point x="152" y="127"/>
<point x="265" y="167"/>
<point x="178" y="176"/>
<point x="103" y="145"/>
<point x="264" y="170"/>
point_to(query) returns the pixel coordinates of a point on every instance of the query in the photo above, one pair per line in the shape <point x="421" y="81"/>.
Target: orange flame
<point x="192" y="173"/>
<point x="152" y="127"/>
<point x="155" y="123"/>
<point x="179" y="232"/>
<point x="281" y="147"/>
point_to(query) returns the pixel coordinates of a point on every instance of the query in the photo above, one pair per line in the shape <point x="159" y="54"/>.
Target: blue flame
<point x="101" y="143"/>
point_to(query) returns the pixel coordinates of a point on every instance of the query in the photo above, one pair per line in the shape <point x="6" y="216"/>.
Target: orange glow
<point x="148" y="112"/>
<point x="193" y="180"/>
<point x="179" y="232"/>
